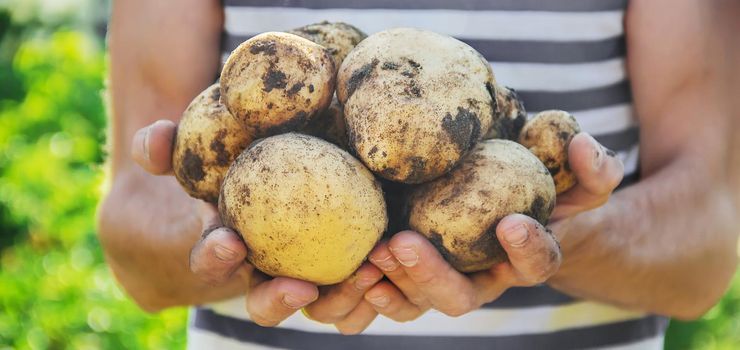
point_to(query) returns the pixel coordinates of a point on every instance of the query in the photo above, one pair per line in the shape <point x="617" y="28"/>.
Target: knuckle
<point x="539" y="278"/>
<point x="615" y="180"/>
<point x="405" y="316"/>
<point x="549" y="271"/>
<point x="418" y="300"/>
<point x="454" y="311"/>
<point x="349" y="329"/>
<point x="460" y="307"/>
<point x="326" y="316"/>
<point x="263" y="321"/>
<point x="434" y="277"/>
<point x="211" y="278"/>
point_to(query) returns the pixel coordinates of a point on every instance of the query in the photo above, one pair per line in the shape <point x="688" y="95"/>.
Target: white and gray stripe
<point x="484" y="25"/>
<point x="616" y="333"/>
<point x="522" y="51"/>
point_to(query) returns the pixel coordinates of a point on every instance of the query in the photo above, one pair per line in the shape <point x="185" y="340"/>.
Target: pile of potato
<point x="419" y="136"/>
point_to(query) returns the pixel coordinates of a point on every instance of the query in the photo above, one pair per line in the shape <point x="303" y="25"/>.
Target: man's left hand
<point x="420" y="279"/>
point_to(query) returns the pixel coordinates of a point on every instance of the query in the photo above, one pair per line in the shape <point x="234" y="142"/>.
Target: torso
<point x="560" y="54"/>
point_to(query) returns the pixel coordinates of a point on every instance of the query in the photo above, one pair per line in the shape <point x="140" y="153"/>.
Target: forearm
<point x="163" y="53"/>
<point x="666" y="245"/>
<point x="147" y="226"/>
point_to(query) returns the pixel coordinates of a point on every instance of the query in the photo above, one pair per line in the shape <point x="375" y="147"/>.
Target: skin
<point x="689" y="143"/>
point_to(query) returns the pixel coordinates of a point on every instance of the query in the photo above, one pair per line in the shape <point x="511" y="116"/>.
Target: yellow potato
<point x="548" y="136"/>
<point x="208" y="140"/>
<point x="459" y="212"/>
<point x="415" y="102"/>
<point x="305" y="208"/>
<point x="277" y="82"/>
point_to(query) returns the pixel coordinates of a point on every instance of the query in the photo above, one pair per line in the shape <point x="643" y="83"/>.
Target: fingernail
<point x="406" y="256"/>
<point x="517" y="235"/>
<point x="145" y="146"/>
<point x="387" y="264"/>
<point x="293" y="302"/>
<point x="364" y="283"/>
<point x="598" y="155"/>
<point x="223" y="253"/>
<point x="379" y="301"/>
<point x="610" y="153"/>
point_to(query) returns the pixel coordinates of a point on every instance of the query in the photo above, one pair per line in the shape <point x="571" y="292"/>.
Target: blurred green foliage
<point x="55" y="290"/>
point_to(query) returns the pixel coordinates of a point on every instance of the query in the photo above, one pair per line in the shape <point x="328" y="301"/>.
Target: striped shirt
<point x="557" y="54"/>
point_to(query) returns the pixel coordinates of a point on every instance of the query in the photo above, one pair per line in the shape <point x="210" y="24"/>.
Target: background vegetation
<point x="55" y="290"/>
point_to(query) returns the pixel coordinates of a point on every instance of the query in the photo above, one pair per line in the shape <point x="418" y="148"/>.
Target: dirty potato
<point x="459" y="211"/>
<point x="329" y="125"/>
<point x="305" y="208"/>
<point x="415" y="102"/>
<point x="510" y="115"/>
<point x="548" y="136"/>
<point x="208" y="140"/>
<point x="339" y="38"/>
<point x="277" y="82"/>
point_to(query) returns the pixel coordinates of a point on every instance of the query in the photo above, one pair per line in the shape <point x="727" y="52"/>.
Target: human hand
<point x="220" y="256"/>
<point x="420" y="278"/>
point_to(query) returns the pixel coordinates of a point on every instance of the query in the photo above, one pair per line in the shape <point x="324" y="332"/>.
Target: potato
<point x="415" y="102"/>
<point x="548" y="135"/>
<point x="459" y="211"/>
<point x="277" y="82"/>
<point x="329" y="126"/>
<point x="510" y="115"/>
<point x="339" y="38"/>
<point x="305" y="208"/>
<point x="208" y="140"/>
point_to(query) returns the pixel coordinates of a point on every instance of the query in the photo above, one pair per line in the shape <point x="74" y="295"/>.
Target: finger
<point x="388" y="301"/>
<point x="533" y="252"/>
<point x="491" y="283"/>
<point x="209" y="215"/>
<point x="598" y="172"/>
<point x="152" y="147"/>
<point x="337" y="301"/>
<point x="382" y="257"/>
<point x="217" y="255"/>
<point x="446" y="289"/>
<point x="357" y="320"/>
<point x="270" y="302"/>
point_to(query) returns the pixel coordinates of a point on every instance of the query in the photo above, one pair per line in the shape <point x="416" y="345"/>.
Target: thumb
<point x="151" y="147"/>
<point x="533" y="252"/>
<point x="219" y="253"/>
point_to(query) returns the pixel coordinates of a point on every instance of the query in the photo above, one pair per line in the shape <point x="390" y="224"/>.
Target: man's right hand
<point x="219" y="257"/>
